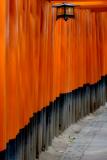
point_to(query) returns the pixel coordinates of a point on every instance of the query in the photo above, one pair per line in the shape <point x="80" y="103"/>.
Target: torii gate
<point x="30" y="82"/>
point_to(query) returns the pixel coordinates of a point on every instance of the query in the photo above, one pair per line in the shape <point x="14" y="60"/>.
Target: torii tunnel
<point x="52" y="72"/>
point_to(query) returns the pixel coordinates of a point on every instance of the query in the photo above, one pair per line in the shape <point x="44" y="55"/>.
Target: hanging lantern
<point x="65" y="11"/>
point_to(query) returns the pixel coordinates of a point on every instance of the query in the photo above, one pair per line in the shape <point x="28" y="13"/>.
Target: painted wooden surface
<point x="2" y="74"/>
<point x="42" y="58"/>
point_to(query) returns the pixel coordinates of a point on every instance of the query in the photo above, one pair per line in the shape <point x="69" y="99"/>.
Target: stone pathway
<point x="86" y="140"/>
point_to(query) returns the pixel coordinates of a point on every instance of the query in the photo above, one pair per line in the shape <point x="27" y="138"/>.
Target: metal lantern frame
<point x="64" y="7"/>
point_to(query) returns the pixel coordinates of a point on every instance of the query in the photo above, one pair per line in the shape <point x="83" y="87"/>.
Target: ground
<point x="85" y="140"/>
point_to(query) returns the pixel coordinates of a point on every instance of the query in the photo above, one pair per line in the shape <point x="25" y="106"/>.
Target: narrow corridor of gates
<point x="52" y="72"/>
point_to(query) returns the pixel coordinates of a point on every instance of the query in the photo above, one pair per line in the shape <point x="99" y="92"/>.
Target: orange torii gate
<point x="42" y="58"/>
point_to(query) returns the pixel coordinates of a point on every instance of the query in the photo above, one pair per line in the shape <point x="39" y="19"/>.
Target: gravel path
<point x="85" y="140"/>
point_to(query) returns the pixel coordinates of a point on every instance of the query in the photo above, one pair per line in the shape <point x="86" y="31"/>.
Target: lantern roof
<point x="64" y="5"/>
